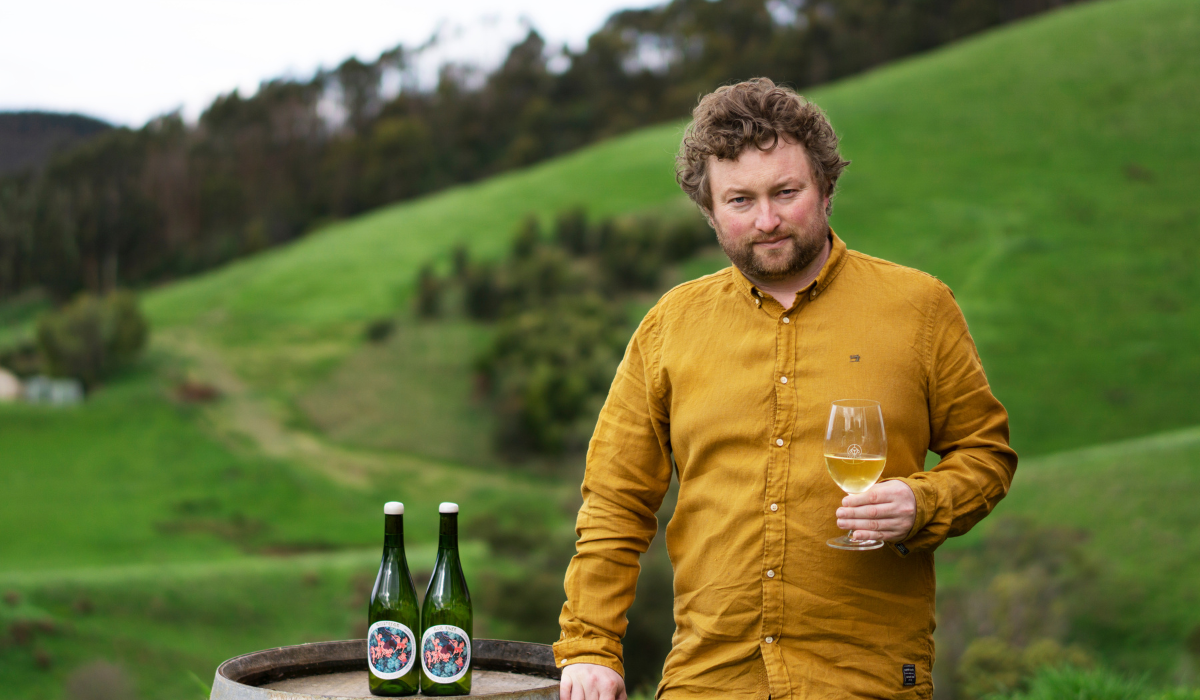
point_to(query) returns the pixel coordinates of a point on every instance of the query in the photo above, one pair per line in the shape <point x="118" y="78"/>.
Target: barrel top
<point x="328" y="670"/>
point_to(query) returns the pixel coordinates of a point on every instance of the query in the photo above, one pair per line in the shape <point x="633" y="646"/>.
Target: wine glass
<point x="855" y="453"/>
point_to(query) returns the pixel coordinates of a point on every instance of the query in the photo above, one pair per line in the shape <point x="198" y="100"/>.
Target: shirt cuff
<point x="926" y="498"/>
<point x="589" y="650"/>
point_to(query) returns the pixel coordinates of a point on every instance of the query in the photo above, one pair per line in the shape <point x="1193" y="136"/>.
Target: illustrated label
<point x="391" y="649"/>
<point x="445" y="653"/>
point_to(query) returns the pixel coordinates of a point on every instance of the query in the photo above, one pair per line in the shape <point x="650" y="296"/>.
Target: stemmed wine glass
<point x="855" y="453"/>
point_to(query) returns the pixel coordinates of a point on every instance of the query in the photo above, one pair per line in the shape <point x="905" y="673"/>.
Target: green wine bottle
<point x="393" y="615"/>
<point x="446" y="620"/>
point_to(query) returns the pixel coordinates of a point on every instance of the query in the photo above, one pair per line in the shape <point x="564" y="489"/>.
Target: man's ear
<point x="828" y="206"/>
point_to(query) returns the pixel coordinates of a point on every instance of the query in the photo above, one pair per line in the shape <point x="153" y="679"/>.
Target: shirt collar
<point x="833" y="265"/>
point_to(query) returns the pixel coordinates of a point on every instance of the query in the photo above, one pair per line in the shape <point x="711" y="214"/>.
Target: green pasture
<point x="1135" y="504"/>
<point x="170" y="625"/>
<point x="1046" y="171"/>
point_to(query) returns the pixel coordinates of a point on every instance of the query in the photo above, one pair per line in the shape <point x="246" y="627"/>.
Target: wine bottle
<point x="393" y="615"/>
<point x="446" y="617"/>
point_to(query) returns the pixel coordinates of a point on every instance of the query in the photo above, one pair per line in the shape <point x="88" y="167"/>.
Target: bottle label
<point x="391" y="649"/>
<point x="445" y="653"/>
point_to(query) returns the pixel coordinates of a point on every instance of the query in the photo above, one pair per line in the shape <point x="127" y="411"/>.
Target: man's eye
<point x="738" y="200"/>
<point x="788" y="193"/>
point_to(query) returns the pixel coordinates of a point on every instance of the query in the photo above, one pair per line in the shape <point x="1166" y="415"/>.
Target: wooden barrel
<point x="511" y="670"/>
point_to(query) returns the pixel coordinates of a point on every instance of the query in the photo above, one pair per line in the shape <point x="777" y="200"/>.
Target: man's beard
<point x="780" y="264"/>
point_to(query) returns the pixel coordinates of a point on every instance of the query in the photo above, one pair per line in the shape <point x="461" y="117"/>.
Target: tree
<point x="92" y="337"/>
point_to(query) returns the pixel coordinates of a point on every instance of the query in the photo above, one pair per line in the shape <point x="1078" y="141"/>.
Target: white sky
<point x="127" y="61"/>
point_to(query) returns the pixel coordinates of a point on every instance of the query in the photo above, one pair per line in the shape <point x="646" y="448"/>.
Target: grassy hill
<point x="1133" y="504"/>
<point x="1046" y="171"/>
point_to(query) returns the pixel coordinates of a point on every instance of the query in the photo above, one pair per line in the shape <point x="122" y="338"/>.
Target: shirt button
<point x="779" y="441"/>
<point x="783" y="379"/>
<point x="757" y="302"/>
<point x="786" y="319"/>
<point x="758" y="293"/>
<point x="770" y="574"/>
<point x="774" y="506"/>
<point x="770" y="639"/>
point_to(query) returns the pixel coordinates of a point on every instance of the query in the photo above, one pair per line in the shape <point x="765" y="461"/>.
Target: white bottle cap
<point x="448" y="507"/>
<point x="393" y="508"/>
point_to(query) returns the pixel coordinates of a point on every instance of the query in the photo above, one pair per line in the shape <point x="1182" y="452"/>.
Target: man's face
<point x="768" y="211"/>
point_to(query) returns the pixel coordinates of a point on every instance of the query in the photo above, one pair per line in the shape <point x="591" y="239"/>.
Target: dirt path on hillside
<point x="243" y="415"/>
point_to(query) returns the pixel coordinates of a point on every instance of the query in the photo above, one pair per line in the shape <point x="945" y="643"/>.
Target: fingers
<point x="882" y="493"/>
<point x="883" y="512"/>
<point x="591" y="682"/>
<point x="855" y="500"/>
<point x="611" y="687"/>
<point x="875" y="528"/>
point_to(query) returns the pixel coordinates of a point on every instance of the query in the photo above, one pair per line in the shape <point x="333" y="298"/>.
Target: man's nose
<point x="766" y="219"/>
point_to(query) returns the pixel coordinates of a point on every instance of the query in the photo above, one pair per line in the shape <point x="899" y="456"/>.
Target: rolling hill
<point x="1045" y="171"/>
<point x="28" y="140"/>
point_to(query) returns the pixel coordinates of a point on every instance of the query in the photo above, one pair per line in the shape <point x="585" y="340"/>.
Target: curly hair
<point x="730" y="119"/>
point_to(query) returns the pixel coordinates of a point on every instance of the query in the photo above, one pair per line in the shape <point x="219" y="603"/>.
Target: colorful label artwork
<point x="445" y="653"/>
<point x="391" y="649"/>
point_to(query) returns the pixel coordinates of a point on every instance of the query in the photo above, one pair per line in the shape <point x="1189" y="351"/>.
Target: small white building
<point x="10" y="386"/>
<point x="59" y="392"/>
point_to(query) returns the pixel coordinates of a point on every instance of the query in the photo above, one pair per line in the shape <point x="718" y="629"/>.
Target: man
<point x="729" y="380"/>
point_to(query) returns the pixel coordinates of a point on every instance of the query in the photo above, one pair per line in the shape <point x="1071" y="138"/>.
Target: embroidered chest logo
<point x="854" y="358"/>
<point x="910" y="674"/>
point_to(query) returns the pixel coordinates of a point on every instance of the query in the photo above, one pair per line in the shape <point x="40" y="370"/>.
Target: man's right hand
<point x="591" y="682"/>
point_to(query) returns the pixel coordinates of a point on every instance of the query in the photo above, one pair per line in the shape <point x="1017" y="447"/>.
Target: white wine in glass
<point x="855" y="454"/>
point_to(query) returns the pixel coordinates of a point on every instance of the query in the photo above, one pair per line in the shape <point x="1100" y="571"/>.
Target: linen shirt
<point x="732" y="392"/>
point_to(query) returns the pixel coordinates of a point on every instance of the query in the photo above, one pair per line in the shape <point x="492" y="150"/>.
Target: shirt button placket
<point x="777" y="479"/>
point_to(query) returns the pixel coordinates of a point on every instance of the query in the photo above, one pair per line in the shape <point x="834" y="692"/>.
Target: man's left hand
<point x="886" y="511"/>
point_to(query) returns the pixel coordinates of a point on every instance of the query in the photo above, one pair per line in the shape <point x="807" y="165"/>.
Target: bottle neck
<point x="393" y="531"/>
<point x="448" y="535"/>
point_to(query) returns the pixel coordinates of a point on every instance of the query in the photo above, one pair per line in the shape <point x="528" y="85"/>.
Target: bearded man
<point x="728" y="381"/>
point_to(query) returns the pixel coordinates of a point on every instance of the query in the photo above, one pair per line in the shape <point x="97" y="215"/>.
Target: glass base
<point x="844" y="542"/>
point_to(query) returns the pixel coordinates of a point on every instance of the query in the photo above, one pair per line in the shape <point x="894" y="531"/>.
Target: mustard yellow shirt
<point x="762" y="606"/>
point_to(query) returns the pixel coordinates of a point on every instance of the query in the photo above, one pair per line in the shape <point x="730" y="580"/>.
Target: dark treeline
<point x="136" y="206"/>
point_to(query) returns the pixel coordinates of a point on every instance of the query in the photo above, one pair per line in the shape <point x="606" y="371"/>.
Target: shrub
<point x="460" y="260"/>
<point x="538" y="279"/>
<point x="482" y="295"/>
<point x="562" y="329"/>
<point x="92" y="337"/>
<point x="571" y="231"/>
<point x="550" y="368"/>
<point x="990" y="665"/>
<point x="429" y="289"/>
<point x="1069" y="683"/>
<point x="380" y="330"/>
<point x="684" y="238"/>
<point x="632" y="255"/>
<point x="22" y="359"/>
<point x="527" y="239"/>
